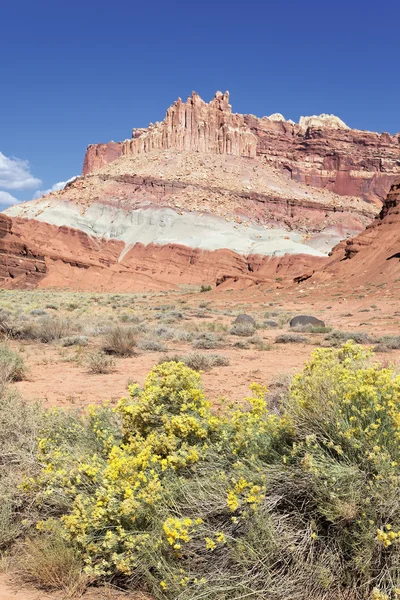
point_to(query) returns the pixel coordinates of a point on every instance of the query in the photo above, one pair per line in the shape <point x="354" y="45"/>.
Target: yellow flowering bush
<point x="301" y="502"/>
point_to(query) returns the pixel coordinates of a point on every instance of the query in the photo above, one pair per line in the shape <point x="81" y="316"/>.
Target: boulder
<point x="271" y="324"/>
<point x="306" y="320"/>
<point x="245" y="319"/>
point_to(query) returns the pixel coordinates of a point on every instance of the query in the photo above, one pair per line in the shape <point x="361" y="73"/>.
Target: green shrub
<point x="206" y="288"/>
<point x="207" y="341"/>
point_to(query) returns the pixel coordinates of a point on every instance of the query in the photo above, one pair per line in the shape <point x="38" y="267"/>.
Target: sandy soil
<point x="54" y="381"/>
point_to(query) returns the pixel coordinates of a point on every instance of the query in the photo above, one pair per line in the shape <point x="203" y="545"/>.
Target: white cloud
<point x="7" y="199"/>
<point x="56" y="187"/>
<point x="15" y="174"/>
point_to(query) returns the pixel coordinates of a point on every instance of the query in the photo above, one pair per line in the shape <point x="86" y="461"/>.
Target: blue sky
<point x="74" y="73"/>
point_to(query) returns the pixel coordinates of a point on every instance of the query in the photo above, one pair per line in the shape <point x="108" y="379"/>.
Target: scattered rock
<point x="306" y="320"/>
<point x="245" y="319"/>
<point x="271" y="324"/>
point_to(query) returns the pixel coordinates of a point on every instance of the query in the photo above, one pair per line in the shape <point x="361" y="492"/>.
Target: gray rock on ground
<point x="244" y="319"/>
<point x="306" y="320"/>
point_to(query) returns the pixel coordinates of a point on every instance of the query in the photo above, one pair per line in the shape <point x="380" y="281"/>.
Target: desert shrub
<point x="207" y="341"/>
<point x="336" y="338"/>
<point x="45" y="329"/>
<point x="241" y="344"/>
<point x="206" y="288"/>
<point x="381" y="348"/>
<point x="269" y="324"/>
<point x="52" y="306"/>
<point x="291" y="338"/>
<point x="390" y="341"/>
<point x="201" y="362"/>
<point x="152" y="345"/>
<point x="49" y="329"/>
<point x="19" y="429"/>
<point x="130" y="318"/>
<point x="165" y="333"/>
<point x="71" y="306"/>
<point x="38" y="312"/>
<point x="242" y="329"/>
<point x="120" y="341"/>
<point x="100" y="363"/>
<point x="182" y="335"/>
<point x="311" y="328"/>
<point x="12" y="365"/>
<point x="259" y="343"/>
<point x="74" y="340"/>
<point x="300" y="503"/>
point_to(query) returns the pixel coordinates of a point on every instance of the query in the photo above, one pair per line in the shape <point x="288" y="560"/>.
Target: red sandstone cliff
<point x="33" y="253"/>
<point x="372" y="257"/>
<point x="319" y="152"/>
<point x="20" y="265"/>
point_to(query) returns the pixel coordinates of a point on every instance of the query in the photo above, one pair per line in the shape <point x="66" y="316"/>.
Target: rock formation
<point x="63" y="257"/>
<point x="20" y="266"/>
<point x="205" y="196"/>
<point x="321" y="151"/>
<point x="372" y="257"/>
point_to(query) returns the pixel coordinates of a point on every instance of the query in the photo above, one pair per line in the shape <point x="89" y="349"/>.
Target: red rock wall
<point x="20" y="266"/>
<point x="346" y="161"/>
<point x="70" y="259"/>
<point x="374" y="255"/>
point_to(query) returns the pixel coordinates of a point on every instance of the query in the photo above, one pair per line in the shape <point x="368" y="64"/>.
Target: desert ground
<point x="181" y="323"/>
<point x="70" y="360"/>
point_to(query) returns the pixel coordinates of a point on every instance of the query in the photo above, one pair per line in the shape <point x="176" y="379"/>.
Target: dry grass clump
<point x="152" y="345"/>
<point x="12" y="365"/>
<point x="100" y="363"/>
<point x="50" y="563"/>
<point x="19" y="431"/>
<point x="242" y="329"/>
<point x="311" y="328"/>
<point x="121" y="341"/>
<point x="291" y="338"/>
<point x="74" y="340"/>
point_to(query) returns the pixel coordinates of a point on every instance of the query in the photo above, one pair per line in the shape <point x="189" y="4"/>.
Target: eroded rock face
<point x="33" y="253"/>
<point x="373" y="256"/>
<point x="321" y="151"/>
<point x="193" y="125"/>
<point x="346" y="161"/>
<point x="20" y="266"/>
